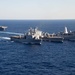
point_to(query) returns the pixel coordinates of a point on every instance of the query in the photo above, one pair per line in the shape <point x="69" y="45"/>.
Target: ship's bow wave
<point x="11" y="33"/>
<point x="5" y="38"/>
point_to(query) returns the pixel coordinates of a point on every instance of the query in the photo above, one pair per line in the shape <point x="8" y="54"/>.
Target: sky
<point x="37" y="9"/>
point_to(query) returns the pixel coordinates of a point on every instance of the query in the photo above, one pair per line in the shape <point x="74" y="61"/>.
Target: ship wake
<point x="8" y="38"/>
<point x="5" y="38"/>
<point x="11" y="33"/>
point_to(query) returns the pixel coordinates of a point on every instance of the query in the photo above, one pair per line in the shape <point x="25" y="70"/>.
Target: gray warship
<point x="67" y="35"/>
<point x="32" y="36"/>
<point x="2" y="28"/>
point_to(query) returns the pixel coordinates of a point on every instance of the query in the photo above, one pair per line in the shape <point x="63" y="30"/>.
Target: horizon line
<point x="37" y="19"/>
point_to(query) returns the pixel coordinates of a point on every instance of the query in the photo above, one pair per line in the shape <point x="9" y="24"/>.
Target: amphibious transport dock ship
<point x="2" y="28"/>
<point x="31" y="37"/>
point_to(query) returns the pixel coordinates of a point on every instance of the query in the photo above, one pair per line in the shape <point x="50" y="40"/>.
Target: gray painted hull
<point x="27" y="41"/>
<point x="68" y="37"/>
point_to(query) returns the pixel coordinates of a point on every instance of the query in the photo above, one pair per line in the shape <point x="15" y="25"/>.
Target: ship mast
<point x="66" y="31"/>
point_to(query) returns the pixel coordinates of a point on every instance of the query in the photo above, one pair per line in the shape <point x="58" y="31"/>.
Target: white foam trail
<point x="5" y="38"/>
<point x="11" y="33"/>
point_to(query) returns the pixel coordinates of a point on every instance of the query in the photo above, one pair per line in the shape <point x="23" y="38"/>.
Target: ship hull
<point x="57" y="39"/>
<point x="68" y="37"/>
<point x="27" y="41"/>
<point x="54" y="39"/>
<point x="1" y="29"/>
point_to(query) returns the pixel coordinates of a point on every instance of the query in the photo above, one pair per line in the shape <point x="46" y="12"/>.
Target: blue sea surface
<point x="46" y="59"/>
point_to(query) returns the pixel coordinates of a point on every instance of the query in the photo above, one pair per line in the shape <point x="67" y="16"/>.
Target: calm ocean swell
<point x="46" y="59"/>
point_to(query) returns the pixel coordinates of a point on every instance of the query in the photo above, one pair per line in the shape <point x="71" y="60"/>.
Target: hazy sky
<point x="37" y="9"/>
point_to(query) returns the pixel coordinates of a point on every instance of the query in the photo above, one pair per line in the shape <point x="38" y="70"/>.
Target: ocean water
<point x="46" y="59"/>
